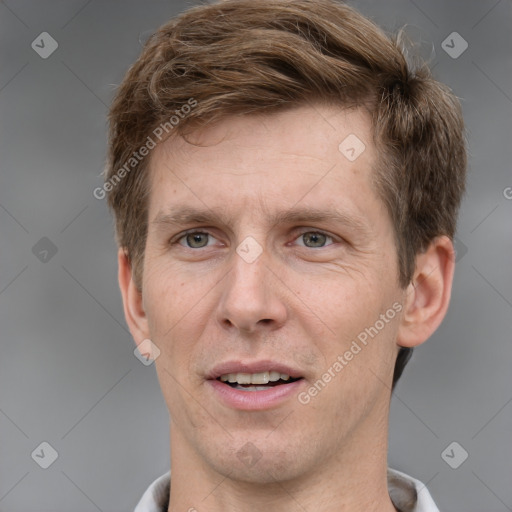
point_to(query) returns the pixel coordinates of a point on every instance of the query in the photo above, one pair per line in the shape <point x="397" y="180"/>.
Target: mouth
<point x="260" y="381"/>
<point x="254" y="386"/>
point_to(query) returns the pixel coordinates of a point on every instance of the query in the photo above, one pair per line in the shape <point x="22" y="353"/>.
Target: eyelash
<point x="176" y="241"/>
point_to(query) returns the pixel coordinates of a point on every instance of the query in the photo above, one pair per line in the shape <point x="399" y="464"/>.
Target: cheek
<point x="342" y="303"/>
<point x="170" y="293"/>
<point x="168" y="302"/>
<point x="361" y="328"/>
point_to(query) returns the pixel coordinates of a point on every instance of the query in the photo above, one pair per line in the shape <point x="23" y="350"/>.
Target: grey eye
<point x="196" y="240"/>
<point x="314" y="239"/>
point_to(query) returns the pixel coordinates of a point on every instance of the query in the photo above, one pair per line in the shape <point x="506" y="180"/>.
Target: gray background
<point x="68" y="375"/>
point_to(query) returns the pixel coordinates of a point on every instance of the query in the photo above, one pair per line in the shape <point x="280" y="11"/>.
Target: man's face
<point x="292" y="261"/>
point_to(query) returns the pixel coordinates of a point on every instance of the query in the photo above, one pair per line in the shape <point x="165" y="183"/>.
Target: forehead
<point x="316" y="153"/>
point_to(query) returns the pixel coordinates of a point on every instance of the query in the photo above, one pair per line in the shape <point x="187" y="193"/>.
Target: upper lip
<point x="253" y="367"/>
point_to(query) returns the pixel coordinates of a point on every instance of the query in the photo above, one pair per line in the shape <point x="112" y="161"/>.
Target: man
<point x="285" y="190"/>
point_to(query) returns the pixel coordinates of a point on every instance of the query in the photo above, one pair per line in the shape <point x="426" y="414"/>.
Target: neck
<point x="353" y="479"/>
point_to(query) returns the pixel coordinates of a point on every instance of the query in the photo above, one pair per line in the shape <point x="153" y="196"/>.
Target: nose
<point x="250" y="299"/>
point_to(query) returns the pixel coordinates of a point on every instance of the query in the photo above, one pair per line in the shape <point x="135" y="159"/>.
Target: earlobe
<point x="427" y="297"/>
<point x="132" y="299"/>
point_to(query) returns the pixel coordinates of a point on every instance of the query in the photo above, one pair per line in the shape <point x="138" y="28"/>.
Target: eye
<point x="196" y="239"/>
<point x="314" y="239"/>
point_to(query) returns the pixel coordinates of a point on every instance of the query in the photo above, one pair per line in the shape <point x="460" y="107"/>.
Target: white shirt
<point x="406" y="493"/>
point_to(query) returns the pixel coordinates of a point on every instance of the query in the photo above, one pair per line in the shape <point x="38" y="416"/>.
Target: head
<point x="240" y="109"/>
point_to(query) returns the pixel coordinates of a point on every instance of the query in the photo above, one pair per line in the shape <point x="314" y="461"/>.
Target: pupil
<point x="316" y="239"/>
<point x="196" y="239"/>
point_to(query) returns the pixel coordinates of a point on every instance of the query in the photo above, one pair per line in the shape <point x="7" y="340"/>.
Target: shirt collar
<point x="406" y="493"/>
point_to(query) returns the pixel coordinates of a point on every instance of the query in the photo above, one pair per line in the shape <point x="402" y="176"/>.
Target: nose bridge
<point x="247" y="280"/>
<point x="249" y="299"/>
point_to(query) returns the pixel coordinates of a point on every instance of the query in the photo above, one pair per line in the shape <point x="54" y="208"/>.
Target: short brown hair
<point x="246" y="56"/>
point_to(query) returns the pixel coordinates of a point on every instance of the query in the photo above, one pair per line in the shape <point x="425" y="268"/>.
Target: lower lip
<point x="255" y="400"/>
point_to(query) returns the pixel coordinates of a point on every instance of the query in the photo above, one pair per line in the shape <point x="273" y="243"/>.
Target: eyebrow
<point x="189" y="215"/>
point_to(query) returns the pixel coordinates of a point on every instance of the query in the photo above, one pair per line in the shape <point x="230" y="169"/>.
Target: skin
<point x="295" y="304"/>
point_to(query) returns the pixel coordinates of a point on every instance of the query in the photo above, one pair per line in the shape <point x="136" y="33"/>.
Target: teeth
<point x="260" y="378"/>
<point x="243" y="378"/>
<point x="274" y="376"/>
<point x="254" y="378"/>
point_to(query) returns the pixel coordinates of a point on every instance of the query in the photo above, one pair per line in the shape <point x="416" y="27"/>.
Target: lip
<point x="254" y="400"/>
<point x="253" y="367"/>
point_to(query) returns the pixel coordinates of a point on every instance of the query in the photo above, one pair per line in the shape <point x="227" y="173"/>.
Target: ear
<point x="428" y="295"/>
<point x="132" y="299"/>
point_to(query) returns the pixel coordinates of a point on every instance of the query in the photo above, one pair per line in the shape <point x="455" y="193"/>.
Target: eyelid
<point x="303" y="231"/>
<point x="176" y="239"/>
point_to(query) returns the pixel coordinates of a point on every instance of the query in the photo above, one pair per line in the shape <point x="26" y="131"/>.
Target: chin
<point x="260" y="461"/>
